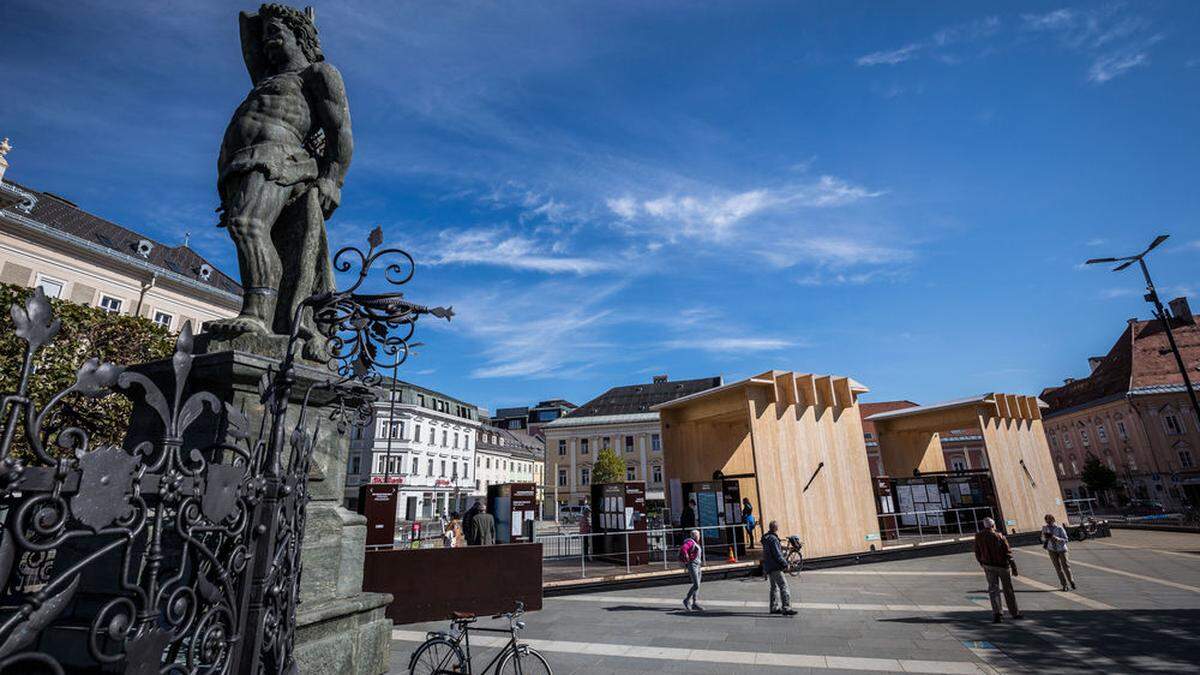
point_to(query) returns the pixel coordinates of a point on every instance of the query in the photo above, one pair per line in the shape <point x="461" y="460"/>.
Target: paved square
<point x="1137" y="609"/>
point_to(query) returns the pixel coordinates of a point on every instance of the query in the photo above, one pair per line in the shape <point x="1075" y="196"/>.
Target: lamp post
<point x="1159" y="311"/>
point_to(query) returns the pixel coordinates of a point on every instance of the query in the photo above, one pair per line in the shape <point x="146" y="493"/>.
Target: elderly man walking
<point x="1054" y="539"/>
<point x="995" y="556"/>
<point x="774" y="565"/>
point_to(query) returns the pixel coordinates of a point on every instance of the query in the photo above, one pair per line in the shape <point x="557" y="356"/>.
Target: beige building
<point x="621" y="419"/>
<point x="48" y="241"/>
<point x="1133" y="414"/>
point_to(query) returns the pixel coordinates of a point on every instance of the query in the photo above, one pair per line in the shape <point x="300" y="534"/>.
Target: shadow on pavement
<point x="1137" y="640"/>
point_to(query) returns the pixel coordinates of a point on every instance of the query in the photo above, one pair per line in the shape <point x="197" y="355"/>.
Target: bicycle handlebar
<point x="520" y="609"/>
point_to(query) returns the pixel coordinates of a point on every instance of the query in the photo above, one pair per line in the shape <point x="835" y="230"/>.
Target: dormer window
<point x="205" y="272"/>
<point x="144" y="247"/>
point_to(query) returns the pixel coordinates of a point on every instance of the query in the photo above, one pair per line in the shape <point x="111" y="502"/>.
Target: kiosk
<point x="793" y="444"/>
<point x="619" y="522"/>
<point x="514" y="506"/>
<point x="1019" y="488"/>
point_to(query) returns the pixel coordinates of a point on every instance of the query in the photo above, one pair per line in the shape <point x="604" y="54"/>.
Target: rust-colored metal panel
<point x="377" y="501"/>
<point x="429" y="584"/>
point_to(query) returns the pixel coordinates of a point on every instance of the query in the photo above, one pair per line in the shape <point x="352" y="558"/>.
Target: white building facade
<point x="424" y="443"/>
<point x="507" y="456"/>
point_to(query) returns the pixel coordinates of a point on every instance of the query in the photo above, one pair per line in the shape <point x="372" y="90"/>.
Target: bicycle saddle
<point x="462" y="617"/>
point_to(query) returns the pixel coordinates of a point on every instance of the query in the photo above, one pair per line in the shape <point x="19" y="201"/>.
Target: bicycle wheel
<point x="437" y="656"/>
<point x="524" y="661"/>
<point x="795" y="563"/>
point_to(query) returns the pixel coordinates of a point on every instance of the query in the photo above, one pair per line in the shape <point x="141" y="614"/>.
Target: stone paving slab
<point x="1133" y="611"/>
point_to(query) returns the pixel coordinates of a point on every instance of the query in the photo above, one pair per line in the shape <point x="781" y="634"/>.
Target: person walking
<point x="993" y="553"/>
<point x="687" y="519"/>
<point x="450" y="531"/>
<point x="484" y="526"/>
<point x="468" y="524"/>
<point x="748" y="520"/>
<point x="691" y="554"/>
<point x="1054" y="540"/>
<point x="774" y="565"/>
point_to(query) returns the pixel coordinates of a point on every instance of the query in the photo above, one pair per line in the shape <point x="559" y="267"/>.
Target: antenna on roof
<point x="187" y="237"/>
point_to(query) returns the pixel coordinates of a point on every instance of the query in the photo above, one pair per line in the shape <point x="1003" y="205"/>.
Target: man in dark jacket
<point x="994" y="555"/>
<point x="468" y="525"/>
<point x="485" y="527"/>
<point x="687" y="519"/>
<point x="774" y="565"/>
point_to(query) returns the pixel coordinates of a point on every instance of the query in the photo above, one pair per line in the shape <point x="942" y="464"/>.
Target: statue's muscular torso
<point x="268" y="130"/>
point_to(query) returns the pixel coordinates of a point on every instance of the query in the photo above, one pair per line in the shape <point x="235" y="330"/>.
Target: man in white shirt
<point x="1054" y="540"/>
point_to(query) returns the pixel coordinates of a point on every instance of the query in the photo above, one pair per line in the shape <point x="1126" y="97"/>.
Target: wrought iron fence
<point x="173" y="557"/>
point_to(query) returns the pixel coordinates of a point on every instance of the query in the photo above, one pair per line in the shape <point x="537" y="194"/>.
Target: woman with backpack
<point x="691" y="554"/>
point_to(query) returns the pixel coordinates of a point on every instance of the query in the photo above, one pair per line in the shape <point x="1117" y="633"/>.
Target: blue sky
<point x="605" y="191"/>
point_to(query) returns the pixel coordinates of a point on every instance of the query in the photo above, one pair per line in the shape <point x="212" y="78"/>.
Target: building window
<point x="655" y="443"/>
<point x="1067" y="439"/>
<point x="1053" y="442"/>
<point x="445" y="438"/>
<point x="416" y="466"/>
<point x="606" y="443"/>
<point x="443" y="473"/>
<point x="1101" y="433"/>
<point x="432" y="435"/>
<point x="1083" y="434"/>
<point x="958" y="464"/>
<point x="629" y="444"/>
<point x="53" y="288"/>
<point x="163" y="319"/>
<point x="1062" y="472"/>
<point x="1074" y="467"/>
<point x="656" y="474"/>
<point x="417" y="433"/>
<point x="1185" y="458"/>
<point x="583" y="446"/>
<point x="465" y="467"/>
<point x="429" y="468"/>
<point x="1121" y="433"/>
<point x="562" y="477"/>
<point x="562" y="447"/>
<point x="110" y="304"/>
<point x="1171" y="422"/>
<point x="487" y="463"/>
<point x="630" y="473"/>
<point x="585" y="476"/>
<point x="456" y="440"/>
<point x="1130" y="460"/>
<point x="355" y="464"/>
<point x="868" y="435"/>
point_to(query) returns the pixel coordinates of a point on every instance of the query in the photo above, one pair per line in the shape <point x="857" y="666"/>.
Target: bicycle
<point x="450" y="652"/>
<point x="795" y="559"/>
<point x="1087" y="528"/>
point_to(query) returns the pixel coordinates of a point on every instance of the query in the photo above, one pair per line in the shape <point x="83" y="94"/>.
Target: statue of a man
<point x="283" y="160"/>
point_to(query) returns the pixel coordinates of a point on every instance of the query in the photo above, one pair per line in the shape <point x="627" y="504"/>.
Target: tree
<point x="609" y="468"/>
<point x="1096" y="476"/>
<point x="85" y="333"/>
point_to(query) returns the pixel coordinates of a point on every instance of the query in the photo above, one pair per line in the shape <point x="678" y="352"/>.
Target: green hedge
<point x="86" y="332"/>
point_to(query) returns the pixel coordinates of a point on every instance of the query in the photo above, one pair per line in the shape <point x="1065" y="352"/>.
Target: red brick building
<point x="963" y="448"/>
<point x="1133" y="413"/>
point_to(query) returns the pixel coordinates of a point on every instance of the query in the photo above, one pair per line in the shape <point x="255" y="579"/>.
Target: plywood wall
<point x="1022" y="470"/>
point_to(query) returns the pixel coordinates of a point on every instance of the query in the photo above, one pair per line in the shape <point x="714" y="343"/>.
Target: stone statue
<point x="283" y="161"/>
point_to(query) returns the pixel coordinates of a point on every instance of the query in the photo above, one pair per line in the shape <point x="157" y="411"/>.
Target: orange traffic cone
<point x="732" y="557"/>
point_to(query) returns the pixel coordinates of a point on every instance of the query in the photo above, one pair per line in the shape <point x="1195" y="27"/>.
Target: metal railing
<point x="905" y="528"/>
<point x="604" y="553"/>
<point x="1079" y="509"/>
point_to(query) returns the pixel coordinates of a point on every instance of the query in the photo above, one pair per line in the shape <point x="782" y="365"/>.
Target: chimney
<point x="659" y="379"/>
<point x="1094" y="361"/>
<point x="1069" y="380"/>
<point x="1179" y="308"/>
<point x="4" y="148"/>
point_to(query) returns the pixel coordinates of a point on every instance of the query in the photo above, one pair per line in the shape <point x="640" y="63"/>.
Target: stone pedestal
<point x="339" y="628"/>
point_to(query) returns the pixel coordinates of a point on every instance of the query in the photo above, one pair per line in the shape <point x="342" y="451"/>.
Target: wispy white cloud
<point x="1115" y="40"/>
<point x="732" y="345"/>
<point x="1114" y="293"/>
<point x="891" y="57"/>
<point x="500" y="247"/>
<point x="1096" y="242"/>
<point x="835" y="252"/>
<point x="937" y="44"/>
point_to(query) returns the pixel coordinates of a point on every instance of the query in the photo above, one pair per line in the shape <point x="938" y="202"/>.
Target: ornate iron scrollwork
<point x="204" y="542"/>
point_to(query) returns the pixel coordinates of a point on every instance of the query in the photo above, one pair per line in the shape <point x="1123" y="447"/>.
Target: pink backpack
<point x="685" y="551"/>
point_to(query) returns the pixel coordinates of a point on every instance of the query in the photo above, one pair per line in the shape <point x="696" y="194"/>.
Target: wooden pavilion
<point x="1014" y="442"/>
<point x="793" y="441"/>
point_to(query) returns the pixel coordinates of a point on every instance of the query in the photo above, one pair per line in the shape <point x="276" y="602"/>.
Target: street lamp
<point x="1159" y="311"/>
